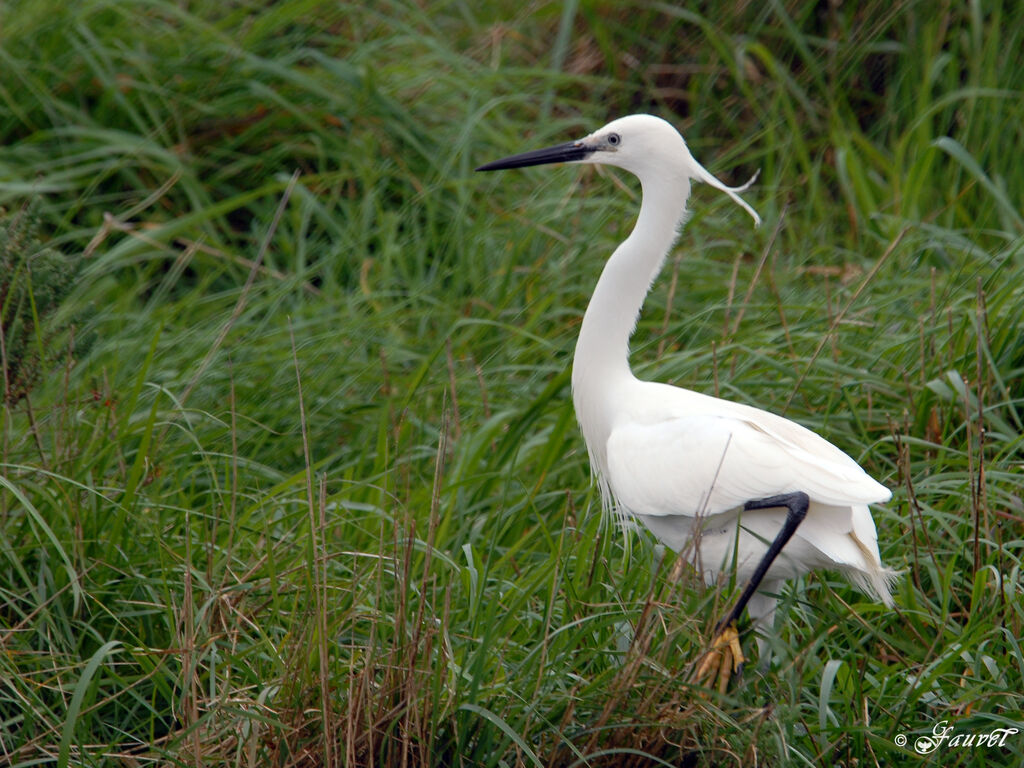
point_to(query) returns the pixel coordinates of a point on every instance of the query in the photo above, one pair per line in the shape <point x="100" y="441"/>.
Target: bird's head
<point x="644" y="145"/>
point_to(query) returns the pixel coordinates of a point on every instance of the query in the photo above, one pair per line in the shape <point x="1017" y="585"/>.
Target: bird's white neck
<point x="601" y="365"/>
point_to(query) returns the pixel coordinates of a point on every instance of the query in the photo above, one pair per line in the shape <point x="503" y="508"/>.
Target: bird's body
<point x="698" y="470"/>
<point x="684" y="464"/>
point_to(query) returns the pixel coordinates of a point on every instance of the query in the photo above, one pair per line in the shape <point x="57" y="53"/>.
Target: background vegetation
<point x="315" y="495"/>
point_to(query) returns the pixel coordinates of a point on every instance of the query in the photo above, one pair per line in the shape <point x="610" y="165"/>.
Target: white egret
<point x="728" y="484"/>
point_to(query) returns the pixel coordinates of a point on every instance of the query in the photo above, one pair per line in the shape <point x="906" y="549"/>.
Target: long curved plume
<point x="702" y="174"/>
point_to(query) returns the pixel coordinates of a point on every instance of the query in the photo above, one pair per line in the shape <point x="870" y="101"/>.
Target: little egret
<point x="726" y="484"/>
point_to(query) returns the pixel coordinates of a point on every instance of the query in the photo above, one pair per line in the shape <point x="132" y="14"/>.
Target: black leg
<point x="796" y="504"/>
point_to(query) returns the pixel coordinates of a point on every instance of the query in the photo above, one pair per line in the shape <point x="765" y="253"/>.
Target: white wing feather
<point x="705" y="465"/>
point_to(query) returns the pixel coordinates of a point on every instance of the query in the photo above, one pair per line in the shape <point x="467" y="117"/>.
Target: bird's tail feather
<point x="877" y="582"/>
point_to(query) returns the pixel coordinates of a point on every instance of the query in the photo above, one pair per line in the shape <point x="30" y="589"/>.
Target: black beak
<point x="561" y="153"/>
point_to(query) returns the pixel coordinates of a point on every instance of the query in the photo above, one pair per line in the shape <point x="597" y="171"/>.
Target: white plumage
<point x="692" y="467"/>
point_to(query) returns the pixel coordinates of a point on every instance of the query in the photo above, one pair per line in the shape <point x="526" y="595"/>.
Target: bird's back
<point x="672" y="451"/>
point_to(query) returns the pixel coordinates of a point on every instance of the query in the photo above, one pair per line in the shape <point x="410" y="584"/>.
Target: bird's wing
<point x="706" y="464"/>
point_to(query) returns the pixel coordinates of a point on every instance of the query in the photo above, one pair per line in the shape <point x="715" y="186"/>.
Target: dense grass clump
<point x="315" y="494"/>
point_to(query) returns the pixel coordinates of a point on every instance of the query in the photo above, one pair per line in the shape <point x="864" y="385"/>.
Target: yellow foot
<point x="723" y="658"/>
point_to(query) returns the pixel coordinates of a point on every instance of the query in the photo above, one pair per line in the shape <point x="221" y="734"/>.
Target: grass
<point x="315" y="495"/>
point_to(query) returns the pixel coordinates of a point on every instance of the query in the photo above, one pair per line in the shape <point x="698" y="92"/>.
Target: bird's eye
<point x="614" y="139"/>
